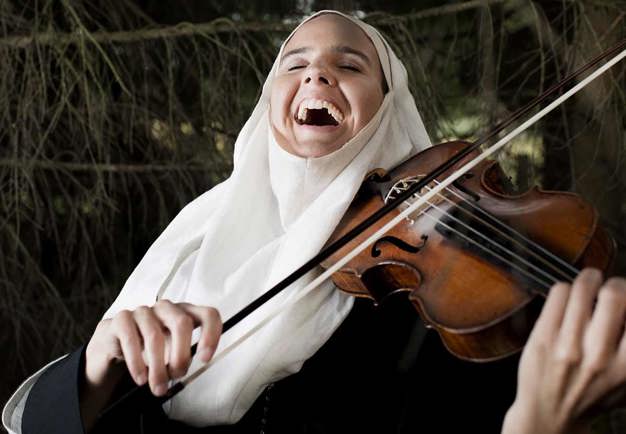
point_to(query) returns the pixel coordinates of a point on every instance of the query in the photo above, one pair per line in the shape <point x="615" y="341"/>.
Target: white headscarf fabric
<point x="275" y="212"/>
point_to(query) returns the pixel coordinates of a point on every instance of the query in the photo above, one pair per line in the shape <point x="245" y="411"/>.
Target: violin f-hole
<point x="401" y="244"/>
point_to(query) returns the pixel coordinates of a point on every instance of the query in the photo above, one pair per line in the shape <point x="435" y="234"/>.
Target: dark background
<point x="113" y="115"/>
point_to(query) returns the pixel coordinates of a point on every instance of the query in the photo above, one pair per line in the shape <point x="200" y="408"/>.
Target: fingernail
<point x="160" y="389"/>
<point x="141" y="379"/>
<point x="206" y="354"/>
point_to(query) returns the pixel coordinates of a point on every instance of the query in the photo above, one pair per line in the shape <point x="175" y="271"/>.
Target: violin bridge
<point x="403" y="185"/>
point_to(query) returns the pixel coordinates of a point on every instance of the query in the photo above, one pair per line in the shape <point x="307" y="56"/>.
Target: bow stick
<point x="141" y="395"/>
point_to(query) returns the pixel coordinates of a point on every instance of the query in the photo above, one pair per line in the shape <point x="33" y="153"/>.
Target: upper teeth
<point x="311" y="103"/>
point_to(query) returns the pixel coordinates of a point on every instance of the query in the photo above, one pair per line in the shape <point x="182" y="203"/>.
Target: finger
<point x="151" y="331"/>
<point x="601" y="370"/>
<point x="180" y="325"/>
<point x="211" y="328"/>
<point x="621" y="283"/>
<point x="125" y="330"/>
<point x="538" y="353"/>
<point x="549" y="322"/>
<point x="578" y="313"/>
<point x="607" y="324"/>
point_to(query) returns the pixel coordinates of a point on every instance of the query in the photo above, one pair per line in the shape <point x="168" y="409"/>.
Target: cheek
<point x="374" y="101"/>
<point x="281" y="97"/>
<point x="369" y="100"/>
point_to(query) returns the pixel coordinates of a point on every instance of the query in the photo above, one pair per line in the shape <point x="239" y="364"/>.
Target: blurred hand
<point x="574" y="362"/>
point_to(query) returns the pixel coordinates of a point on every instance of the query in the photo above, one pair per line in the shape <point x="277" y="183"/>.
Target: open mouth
<point x="318" y="117"/>
<point x="318" y="113"/>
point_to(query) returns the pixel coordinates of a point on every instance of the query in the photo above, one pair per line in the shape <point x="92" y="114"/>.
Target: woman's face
<point x="328" y="87"/>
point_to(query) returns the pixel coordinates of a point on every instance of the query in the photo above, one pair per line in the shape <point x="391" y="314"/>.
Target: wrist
<point x="523" y="419"/>
<point x="100" y="376"/>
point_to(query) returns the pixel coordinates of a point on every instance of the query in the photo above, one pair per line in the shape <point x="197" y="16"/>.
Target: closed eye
<point x="350" y="68"/>
<point x="292" y="68"/>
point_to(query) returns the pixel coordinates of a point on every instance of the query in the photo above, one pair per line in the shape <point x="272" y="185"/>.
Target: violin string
<point x="501" y="246"/>
<point x="223" y="352"/>
<point x="539" y="247"/>
<point x="543" y="283"/>
<point x="278" y="309"/>
<point x="490" y="251"/>
<point x="524" y="245"/>
<point x="250" y="332"/>
<point x="371" y="238"/>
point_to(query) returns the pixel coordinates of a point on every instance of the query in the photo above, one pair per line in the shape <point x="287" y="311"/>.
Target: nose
<point x="320" y="76"/>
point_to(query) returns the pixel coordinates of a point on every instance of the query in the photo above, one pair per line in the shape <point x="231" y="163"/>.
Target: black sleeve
<point x="52" y="406"/>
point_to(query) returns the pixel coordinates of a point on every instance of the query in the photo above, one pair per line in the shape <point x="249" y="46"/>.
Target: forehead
<point x="330" y="30"/>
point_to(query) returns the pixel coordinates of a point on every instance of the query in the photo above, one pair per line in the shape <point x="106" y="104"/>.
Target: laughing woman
<point x="335" y="106"/>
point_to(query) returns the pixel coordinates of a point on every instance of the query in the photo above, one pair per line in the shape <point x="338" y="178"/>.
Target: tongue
<point x="319" y="117"/>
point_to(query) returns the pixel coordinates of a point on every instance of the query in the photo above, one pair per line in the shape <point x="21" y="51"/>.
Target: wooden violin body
<point x="475" y="261"/>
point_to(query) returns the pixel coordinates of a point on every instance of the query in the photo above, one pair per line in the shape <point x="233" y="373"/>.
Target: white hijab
<point x="272" y="214"/>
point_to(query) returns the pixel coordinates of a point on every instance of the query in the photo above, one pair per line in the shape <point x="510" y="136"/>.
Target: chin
<point x="316" y="150"/>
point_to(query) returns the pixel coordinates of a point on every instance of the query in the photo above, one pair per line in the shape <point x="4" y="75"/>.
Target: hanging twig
<point x="96" y="167"/>
<point x="220" y="25"/>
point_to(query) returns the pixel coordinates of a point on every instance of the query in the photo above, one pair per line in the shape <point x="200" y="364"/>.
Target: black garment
<point x="374" y="375"/>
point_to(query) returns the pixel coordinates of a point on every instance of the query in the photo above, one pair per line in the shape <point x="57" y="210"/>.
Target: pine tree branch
<point x="220" y="25"/>
<point x="96" y="167"/>
<point x="436" y="11"/>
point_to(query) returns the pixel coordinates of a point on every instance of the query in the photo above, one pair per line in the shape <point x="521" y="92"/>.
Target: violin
<point x="474" y="261"/>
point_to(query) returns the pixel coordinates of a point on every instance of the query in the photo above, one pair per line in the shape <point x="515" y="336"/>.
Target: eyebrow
<point x="336" y="48"/>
